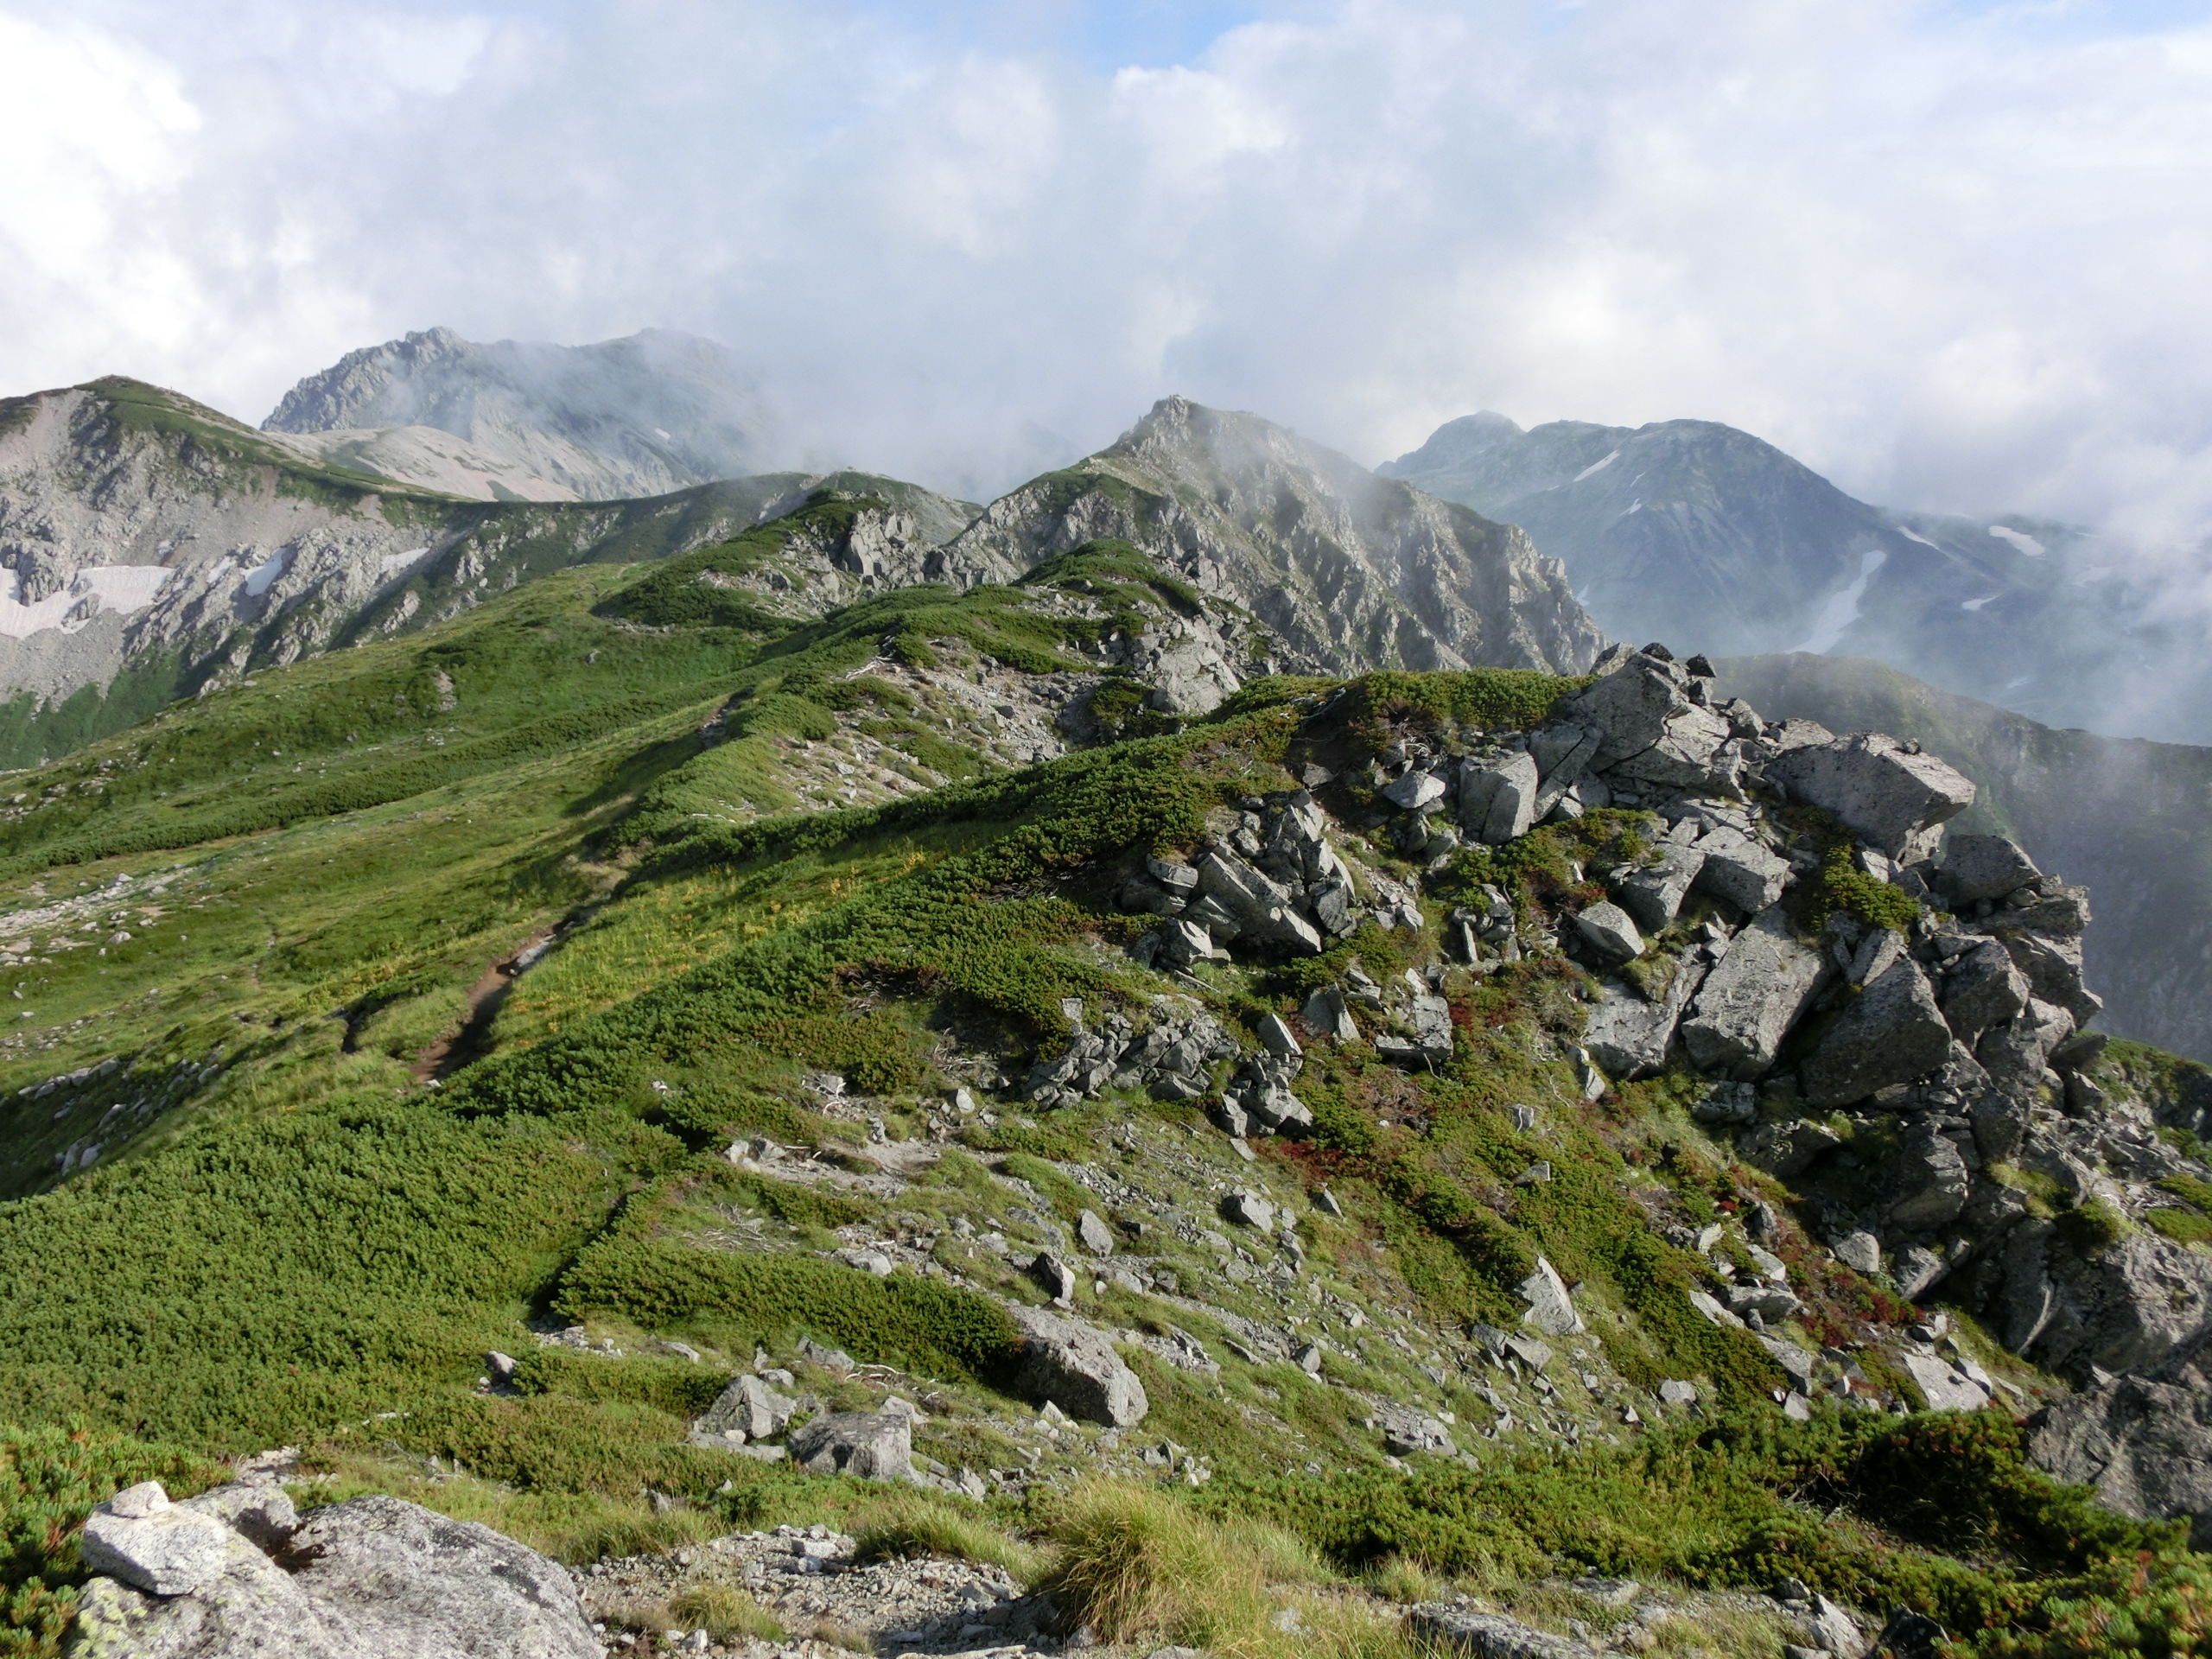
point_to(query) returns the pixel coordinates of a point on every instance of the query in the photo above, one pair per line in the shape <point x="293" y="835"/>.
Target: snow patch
<point x="1915" y="536"/>
<point x="1596" y="466"/>
<point x="1976" y="604"/>
<point x="124" y="588"/>
<point x="222" y="569"/>
<point x="1635" y="506"/>
<point x="2026" y="543"/>
<point x="258" y="578"/>
<point x="391" y="561"/>
<point x="1842" y="608"/>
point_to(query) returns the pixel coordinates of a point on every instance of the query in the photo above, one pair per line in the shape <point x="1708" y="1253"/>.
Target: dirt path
<point x="485" y="997"/>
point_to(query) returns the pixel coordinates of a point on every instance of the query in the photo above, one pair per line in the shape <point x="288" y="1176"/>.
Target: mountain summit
<point x="643" y="416"/>
<point x="1351" y="571"/>
<point x="1693" y="530"/>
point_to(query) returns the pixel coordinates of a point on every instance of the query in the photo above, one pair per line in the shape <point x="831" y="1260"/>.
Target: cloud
<point x="1952" y="258"/>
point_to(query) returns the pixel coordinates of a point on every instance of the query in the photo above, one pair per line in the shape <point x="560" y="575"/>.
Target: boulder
<point x="1914" y="1270"/>
<point x="1407" y="1432"/>
<point x="2052" y="968"/>
<point x="1335" y="908"/>
<point x="1260" y="907"/>
<point x="2060" y="912"/>
<point x="1562" y="753"/>
<point x="1172" y="875"/>
<point x="1627" y="1035"/>
<point x="260" y="1511"/>
<point x="1930" y="1180"/>
<point x="2016" y="1053"/>
<point x="1431" y="1044"/>
<point x="748" y="1408"/>
<point x="397" y="1580"/>
<point x="1787" y="735"/>
<point x="1891" y="1032"/>
<point x="1497" y="799"/>
<point x="1887" y="793"/>
<point x="1653" y="732"/>
<point x="139" y="1537"/>
<point x="1093" y="1234"/>
<point x="1752" y="998"/>
<point x="1067" y="1363"/>
<point x="1248" y="1209"/>
<point x="1052" y="1276"/>
<point x="1563" y="750"/>
<point x="1414" y="790"/>
<point x="1861" y="1252"/>
<point x="1609" y="931"/>
<point x="1327" y="1014"/>
<point x="1740" y="870"/>
<point x="1786" y="1150"/>
<point x="252" y="1608"/>
<point x="1833" y="1631"/>
<point x="1975" y="867"/>
<point x="1551" y="1309"/>
<point x="1983" y="988"/>
<point x="1654" y="893"/>
<point x="1275" y="1035"/>
<point x="1942" y="1387"/>
<point x="873" y="1444"/>
<point x="2145" y="1446"/>
<point x="1182" y="942"/>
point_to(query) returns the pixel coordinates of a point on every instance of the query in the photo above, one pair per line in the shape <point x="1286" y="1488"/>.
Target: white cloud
<point x="1953" y="262"/>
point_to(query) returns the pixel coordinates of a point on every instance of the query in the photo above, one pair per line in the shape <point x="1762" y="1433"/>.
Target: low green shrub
<point x="914" y="1323"/>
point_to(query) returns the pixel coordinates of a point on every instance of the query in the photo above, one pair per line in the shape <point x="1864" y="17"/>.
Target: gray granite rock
<point x="2145" y="1446"/>
<point x="1889" y="793"/>
<point x="1610" y="931"/>
<point x="873" y="1444"/>
<point x="1891" y="1032"/>
<point x="1753" y="995"/>
<point x="1975" y="867"/>
<point x="1074" y="1367"/>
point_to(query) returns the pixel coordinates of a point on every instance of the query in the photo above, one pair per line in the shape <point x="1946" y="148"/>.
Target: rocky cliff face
<point x="137" y="525"/>
<point x="153" y="547"/>
<point x="1350" y="571"/>
<point x="1692" y="530"/>
<point x="643" y="416"/>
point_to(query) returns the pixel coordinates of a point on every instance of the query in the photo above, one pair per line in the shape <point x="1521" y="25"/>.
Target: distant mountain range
<point x="1694" y="531"/>
<point x="157" y="547"/>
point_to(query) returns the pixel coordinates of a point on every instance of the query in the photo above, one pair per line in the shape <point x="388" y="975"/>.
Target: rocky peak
<point x="1350" y="571"/>
<point x="639" y="417"/>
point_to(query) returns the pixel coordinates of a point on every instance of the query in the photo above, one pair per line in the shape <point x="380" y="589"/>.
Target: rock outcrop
<point x="1069" y="1364"/>
<point x="233" y="1574"/>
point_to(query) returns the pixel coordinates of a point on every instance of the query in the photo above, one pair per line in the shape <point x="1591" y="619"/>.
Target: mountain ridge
<point x="1692" y="529"/>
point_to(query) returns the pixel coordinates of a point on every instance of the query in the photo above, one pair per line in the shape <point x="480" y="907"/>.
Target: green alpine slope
<point x="624" y="978"/>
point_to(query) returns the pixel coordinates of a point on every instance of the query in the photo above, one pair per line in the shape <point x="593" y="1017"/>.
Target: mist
<point x="1950" y="256"/>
